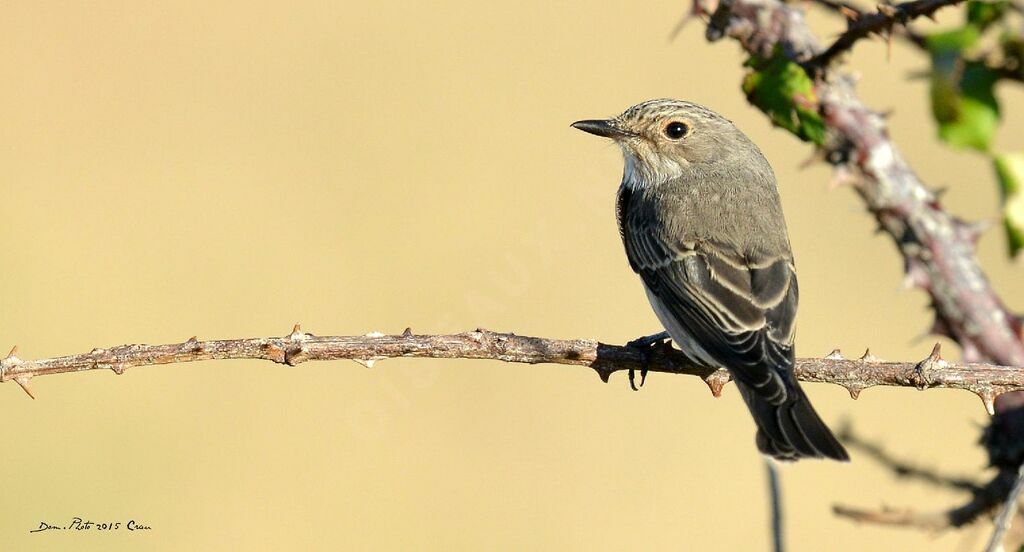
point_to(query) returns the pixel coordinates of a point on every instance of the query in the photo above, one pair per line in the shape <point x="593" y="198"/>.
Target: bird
<point x="701" y="220"/>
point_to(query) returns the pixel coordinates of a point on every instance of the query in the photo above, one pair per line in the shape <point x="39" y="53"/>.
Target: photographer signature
<point x="79" y="524"/>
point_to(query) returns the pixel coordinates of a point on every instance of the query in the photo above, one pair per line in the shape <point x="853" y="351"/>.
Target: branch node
<point x="299" y="335"/>
<point x="8" y="362"/>
<point x="933" y="362"/>
<point x="194" y="345"/>
<point x="274" y="353"/>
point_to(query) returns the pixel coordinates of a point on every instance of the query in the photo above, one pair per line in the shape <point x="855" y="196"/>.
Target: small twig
<point x="775" y="496"/>
<point x="853" y="12"/>
<point x="872" y="23"/>
<point x="982" y="501"/>
<point x="985" y="380"/>
<point x="1007" y="514"/>
<point x="902" y="468"/>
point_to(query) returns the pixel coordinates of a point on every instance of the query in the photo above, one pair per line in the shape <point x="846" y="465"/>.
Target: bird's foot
<point x="645" y="345"/>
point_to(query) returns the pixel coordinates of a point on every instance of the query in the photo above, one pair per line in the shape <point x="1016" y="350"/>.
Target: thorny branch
<point x="854" y="374"/>
<point x="864" y="24"/>
<point x="938" y="249"/>
<point x="1008" y="69"/>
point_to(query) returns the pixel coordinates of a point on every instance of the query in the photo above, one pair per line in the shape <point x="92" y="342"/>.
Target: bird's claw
<point x="645" y="345"/>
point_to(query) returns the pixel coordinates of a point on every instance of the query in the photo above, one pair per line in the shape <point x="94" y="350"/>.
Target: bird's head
<point x="662" y="139"/>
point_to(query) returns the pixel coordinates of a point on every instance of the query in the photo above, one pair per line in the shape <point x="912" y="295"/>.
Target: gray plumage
<point x="702" y="225"/>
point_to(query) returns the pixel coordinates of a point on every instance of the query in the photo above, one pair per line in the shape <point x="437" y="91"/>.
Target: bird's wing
<point x="741" y="310"/>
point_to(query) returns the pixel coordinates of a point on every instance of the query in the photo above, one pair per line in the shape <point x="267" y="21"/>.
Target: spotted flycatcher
<point x="699" y="214"/>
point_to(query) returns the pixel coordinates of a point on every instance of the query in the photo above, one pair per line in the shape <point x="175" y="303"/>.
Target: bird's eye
<point x="676" y="130"/>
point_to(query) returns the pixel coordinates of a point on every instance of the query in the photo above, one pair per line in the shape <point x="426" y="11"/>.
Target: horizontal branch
<point x="985" y="380"/>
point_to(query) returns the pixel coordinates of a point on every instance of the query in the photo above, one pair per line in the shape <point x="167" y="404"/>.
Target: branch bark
<point x="854" y="374"/>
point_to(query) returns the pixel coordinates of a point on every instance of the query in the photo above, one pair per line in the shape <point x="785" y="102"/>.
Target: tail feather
<point x="791" y="429"/>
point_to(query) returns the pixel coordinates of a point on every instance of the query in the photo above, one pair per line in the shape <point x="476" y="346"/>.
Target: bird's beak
<point x="602" y="127"/>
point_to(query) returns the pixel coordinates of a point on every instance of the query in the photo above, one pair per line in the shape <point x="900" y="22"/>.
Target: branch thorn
<point x="868" y="357"/>
<point x="988" y="398"/>
<point x="855" y="389"/>
<point x="366" y="362"/>
<point x="23" y="382"/>
<point x="717" y="380"/>
<point x="835" y="355"/>
<point x="407" y="332"/>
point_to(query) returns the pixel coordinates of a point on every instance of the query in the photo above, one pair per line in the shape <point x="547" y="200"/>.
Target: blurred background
<point x="226" y="169"/>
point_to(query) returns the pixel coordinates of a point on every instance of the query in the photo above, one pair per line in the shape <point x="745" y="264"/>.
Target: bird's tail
<point x="791" y="429"/>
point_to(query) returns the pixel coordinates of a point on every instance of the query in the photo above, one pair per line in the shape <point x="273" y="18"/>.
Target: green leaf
<point x="1010" y="170"/>
<point x="963" y="102"/>
<point x="982" y="14"/>
<point x="955" y="41"/>
<point x="783" y="90"/>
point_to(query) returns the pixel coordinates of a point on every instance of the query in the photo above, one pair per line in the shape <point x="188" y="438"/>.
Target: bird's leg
<point x="645" y="345"/>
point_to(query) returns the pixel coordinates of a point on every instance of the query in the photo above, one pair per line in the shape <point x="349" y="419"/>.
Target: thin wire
<point x="775" y="497"/>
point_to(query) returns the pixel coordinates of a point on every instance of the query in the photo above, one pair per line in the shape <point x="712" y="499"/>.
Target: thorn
<point x="683" y="21"/>
<point x="886" y="10"/>
<point x="716" y="381"/>
<point x="13" y="353"/>
<point x="603" y="374"/>
<point x="841" y="176"/>
<point x="23" y="382"/>
<point x="868" y="357"/>
<point x="855" y="389"/>
<point x="932" y="362"/>
<point x="835" y="355"/>
<point x="193" y="343"/>
<point x="850" y="14"/>
<point x="367" y="362"/>
<point x="117" y="368"/>
<point x="973" y="231"/>
<point x="988" y="398"/>
<point x="297" y="328"/>
<point x="916" y="275"/>
<point x="407" y="332"/>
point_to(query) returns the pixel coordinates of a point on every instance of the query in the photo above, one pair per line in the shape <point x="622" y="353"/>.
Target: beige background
<point x="226" y="169"/>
